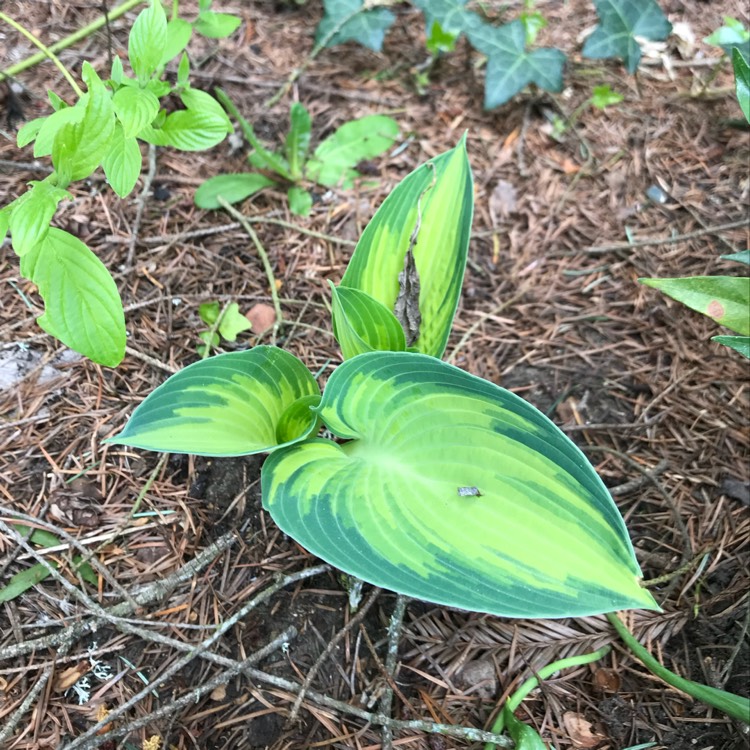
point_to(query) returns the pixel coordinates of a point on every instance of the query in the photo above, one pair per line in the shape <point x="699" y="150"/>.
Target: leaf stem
<point x="82" y="33"/>
<point x="46" y="52"/>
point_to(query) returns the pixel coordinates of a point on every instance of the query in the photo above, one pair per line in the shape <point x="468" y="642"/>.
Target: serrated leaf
<point x="442" y="189"/>
<point x="362" y="324"/>
<point x="350" y="21"/>
<point x="743" y="256"/>
<point x="123" y="162"/>
<point x="135" y="108"/>
<point x="740" y="344"/>
<point x="233" y="322"/>
<point x="742" y="81"/>
<point x="31" y="215"/>
<point x="179" y="32"/>
<point x="353" y="142"/>
<point x="300" y="201"/>
<point x="233" y="188"/>
<point x="147" y="41"/>
<point x="227" y="405"/>
<point x="620" y="22"/>
<point x="538" y="535"/>
<point x="510" y="66"/>
<point x="82" y="304"/>
<point x="298" y="139"/>
<point x="216" y="25"/>
<point x="726" y="299"/>
<point x="29" y="131"/>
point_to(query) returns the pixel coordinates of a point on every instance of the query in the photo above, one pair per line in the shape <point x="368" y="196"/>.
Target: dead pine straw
<point x="208" y="628"/>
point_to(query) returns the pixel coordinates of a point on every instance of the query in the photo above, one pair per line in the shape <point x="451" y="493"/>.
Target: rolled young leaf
<point x="228" y="405"/>
<point x="442" y="191"/>
<point x="453" y="490"/>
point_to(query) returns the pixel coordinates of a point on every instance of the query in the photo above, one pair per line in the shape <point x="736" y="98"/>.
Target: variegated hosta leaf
<point x="362" y="324"/>
<point x="228" y="405"/>
<point x="453" y="490"/>
<point x="442" y="189"/>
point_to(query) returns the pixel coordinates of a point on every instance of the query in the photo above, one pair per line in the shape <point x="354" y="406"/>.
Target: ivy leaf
<point x="122" y="164"/>
<point x="620" y="22"/>
<point x="216" y="25"/>
<point x="350" y="21"/>
<point x="82" y="304"/>
<point x="510" y="66"/>
<point x="742" y="81"/>
<point x="147" y="41"/>
<point x="233" y="188"/>
<point x="451" y="16"/>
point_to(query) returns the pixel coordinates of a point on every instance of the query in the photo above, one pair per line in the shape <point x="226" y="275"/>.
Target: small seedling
<point x="225" y="324"/>
<point x="731" y="35"/>
<point x="331" y="164"/>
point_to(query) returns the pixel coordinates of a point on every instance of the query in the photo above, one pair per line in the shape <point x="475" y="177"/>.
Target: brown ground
<point x="630" y="375"/>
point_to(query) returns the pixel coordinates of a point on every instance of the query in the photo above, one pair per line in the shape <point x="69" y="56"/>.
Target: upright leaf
<point x="228" y="405"/>
<point x="122" y="164"/>
<point x="298" y="139"/>
<point x="82" y="305"/>
<point x="742" y="81"/>
<point x="179" y="32"/>
<point x="620" y="23"/>
<point x="453" y="490"/>
<point x="216" y="25"/>
<point x="147" y="41"/>
<point x="351" y="20"/>
<point x="436" y="200"/>
<point x="31" y="214"/>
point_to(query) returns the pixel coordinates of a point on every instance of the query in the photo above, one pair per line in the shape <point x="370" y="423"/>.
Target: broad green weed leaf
<point x="300" y="201"/>
<point x="147" y="41"/>
<point x="122" y="164"/>
<point x="443" y="189"/>
<point x="29" y="131"/>
<point x="233" y="188"/>
<point x="350" y="21"/>
<point x="603" y="97"/>
<point x="438" y="40"/>
<point x="209" y="312"/>
<point x="620" y="22"/>
<point x="298" y="139"/>
<point x="179" y="32"/>
<point x="362" y="324"/>
<point x="510" y="66"/>
<point x="233" y="322"/>
<point x="743" y="256"/>
<point x="82" y="305"/>
<point x="24" y="580"/>
<point x="135" y="108"/>
<point x="159" y="88"/>
<point x="202" y="125"/>
<point x="31" y="215"/>
<point x="353" y="142"/>
<point x="52" y="124"/>
<point x="726" y="299"/>
<point x="453" y="490"/>
<point x="216" y="25"/>
<point x="740" y="344"/>
<point x="742" y="81"/>
<point x="227" y="405"/>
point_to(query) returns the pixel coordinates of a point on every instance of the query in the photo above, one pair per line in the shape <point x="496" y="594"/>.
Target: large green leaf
<point x="147" y="41"/>
<point x="82" y="305"/>
<point x="362" y="324"/>
<point x="742" y="81"/>
<point x="453" y="490"/>
<point x="726" y="299"/>
<point x="350" y="20"/>
<point x="356" y="140"/>
<point x="203" y="125"/>
<point x="510" y="66"/>
<point x="620" y="23"/>
<point x="135" y="108"/>
<point x="229" y="405"/>
<point x="442" y="190"/>
<point x="31" y="214"/>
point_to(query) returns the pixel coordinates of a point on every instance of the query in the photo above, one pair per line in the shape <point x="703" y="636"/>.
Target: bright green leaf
<point x="82" y="305"/>
<point x="159" y="89"/>
<point x="54" y="122"/>
<point x="362" y="324"/>
<point x="135" y="108"/>
<point x="742" y="81"/>
<point x="351" y="21"/>
<point x="192" y="130"/>
<point x="179" y="32"/>
<point x="57" y="103"/>
<point x="233" y="188"/>
<point x="116" y="73"/>
<point x="733" y="35"/>
<point x="147" y="41"/>
<point x="233" y="322"/>
<point x="603" y="97"/>
<point x="209" y="312"/>
<point x="352" y="143"/>
<point x="216" y="25"/>
<point x="29" y="131"/>
<point x="453" y="490"/>
<point x="743" y="256"/>
<point x="122" y="164"/>
<point x="298" y="139"/>
<point x="438" y="40"/>
<point x="4" y="222"/>
<point x="525" y="736"/>
<point x="510" y="67"/>
<point x="183" y="70"/>
<point x="227" y="405"/>
<point x="726" y="299"/>
<point x="533" y="22"/>
<point x="443" y="190"/>
<point x="24" y="580"/>
<point x="740" y="344"/>
<point x="31" y="215"/>
<point x="300" y="201"/>
<point x="620" y="22"/>
<point x="451" y="16"/>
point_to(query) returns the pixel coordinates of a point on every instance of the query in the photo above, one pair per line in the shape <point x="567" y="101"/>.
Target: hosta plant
<point x="331" y="164"/>
<point x="435" y="483"/>
<point x="101" y="127"/>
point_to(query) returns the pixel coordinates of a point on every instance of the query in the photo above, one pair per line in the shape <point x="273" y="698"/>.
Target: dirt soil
<point x="551" y="310"/>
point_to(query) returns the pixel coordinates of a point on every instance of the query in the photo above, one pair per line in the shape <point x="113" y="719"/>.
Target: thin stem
<point x="46" y="51"/>
<point x="69" y="40"/>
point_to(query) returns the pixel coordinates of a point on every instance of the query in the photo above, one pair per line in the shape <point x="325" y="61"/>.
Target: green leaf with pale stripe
<point x="442" y="189"/>
<point x="228" y="405"/>
<point x="362" y="324"/>
<point x="453" y="490"/>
